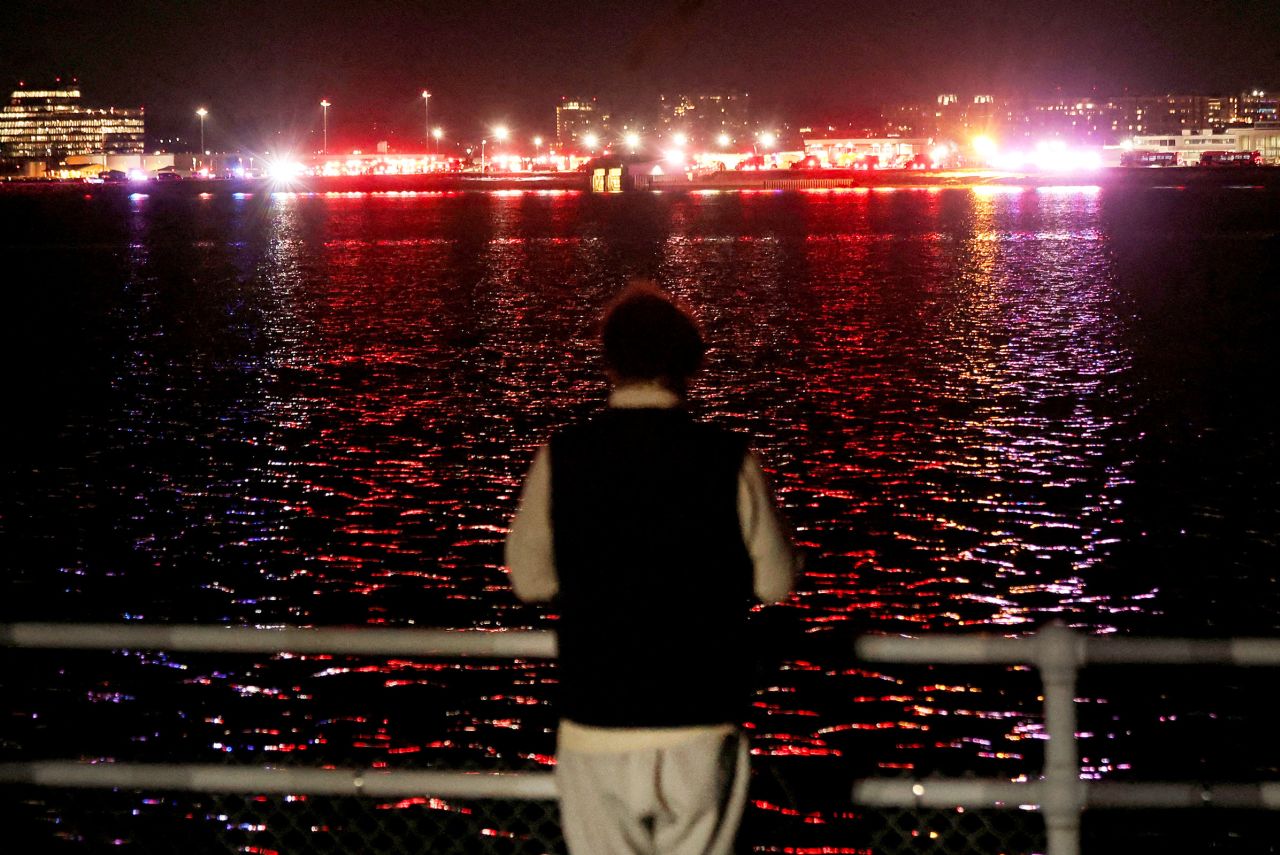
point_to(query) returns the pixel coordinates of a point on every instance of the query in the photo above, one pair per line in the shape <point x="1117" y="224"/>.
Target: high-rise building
<point x="53" y="123"/>
<point x="1082" y="119"/>
<point x="1254" y="107"/>
<point x="704" y="117"/>
<point x="577" y="117"/>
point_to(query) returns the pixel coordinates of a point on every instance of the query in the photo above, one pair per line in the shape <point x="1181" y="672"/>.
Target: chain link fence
<point x="411" y="715"/>
<point x="87" y="822"/>
<point x="93" y="821"/>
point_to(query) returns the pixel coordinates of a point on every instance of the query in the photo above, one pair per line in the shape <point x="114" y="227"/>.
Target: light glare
<point x="1049" y="156"/>
<point x="285" y="170"/>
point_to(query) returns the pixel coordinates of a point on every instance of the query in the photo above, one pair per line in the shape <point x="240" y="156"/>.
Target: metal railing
<point x="507" y="644"/>
<point x="1060" y="794"/>
<point x="1057" y="651"/>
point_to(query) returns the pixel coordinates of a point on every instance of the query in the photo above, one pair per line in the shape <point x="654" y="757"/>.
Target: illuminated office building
<point x="704" y="117"/>
<point x="52" y="123"/>
<point x="577" y="118"/>
<point x="1085" y="118"/>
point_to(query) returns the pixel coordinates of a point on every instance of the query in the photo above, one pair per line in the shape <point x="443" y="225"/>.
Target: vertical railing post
<point x="1059" y="655"/>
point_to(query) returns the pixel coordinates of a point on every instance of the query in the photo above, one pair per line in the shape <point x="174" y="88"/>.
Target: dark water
<point x="982" y="410"/>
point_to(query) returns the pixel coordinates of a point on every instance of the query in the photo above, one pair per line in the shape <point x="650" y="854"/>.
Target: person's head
<point x="647" y="337"/>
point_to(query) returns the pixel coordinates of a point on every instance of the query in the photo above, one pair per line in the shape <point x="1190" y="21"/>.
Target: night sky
<point x="262" y="67"/>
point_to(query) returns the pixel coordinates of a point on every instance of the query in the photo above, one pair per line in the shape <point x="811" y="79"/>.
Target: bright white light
<point x="137" y="175"/>
<point x="679" y="139"/>
<point x="437" y="133"/>
<point x="284" y="170"/>
<point x="202" y="112"/>
<point x="674" y="156"/>
<point x="768" y="138"/>
<point x="985" y="146"/>
<point x="501" y="132"/>
<point x="537" y="140"/>
<point x="632" y="140"/>
<point x="939" y="153"/>
<point x="1011" y="161"/>
<point x="1050" y="156"/>
<point x="590" y="140"/>
<point x="1087" y="160"/>
<point x="724" y="140"/>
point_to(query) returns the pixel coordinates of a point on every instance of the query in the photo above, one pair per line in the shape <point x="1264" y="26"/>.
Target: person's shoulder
<point x="577" y="429"/>
<point x="717" y="434"/>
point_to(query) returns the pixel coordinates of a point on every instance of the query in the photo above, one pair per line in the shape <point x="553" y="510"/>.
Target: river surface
<point x="982" y="409"/>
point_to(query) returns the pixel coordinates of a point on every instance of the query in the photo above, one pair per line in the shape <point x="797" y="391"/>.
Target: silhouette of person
<point x="655" y="534"/>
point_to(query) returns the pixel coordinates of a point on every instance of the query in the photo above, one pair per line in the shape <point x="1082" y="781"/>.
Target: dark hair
<point x="646" y="336"/>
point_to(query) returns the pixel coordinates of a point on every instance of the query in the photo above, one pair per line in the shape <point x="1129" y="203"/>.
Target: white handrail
<point x="1114" y="794"/>
<point x="1056" y="650"/>
<point x="945" y="793"/>
<point x="1061" y="796"/>
<point x="506" y="644"/>
<point x="993" y="792"/>
<point x="322" y="782"/>
<point x="997" y="650"/>
<point x="502" y="644"/>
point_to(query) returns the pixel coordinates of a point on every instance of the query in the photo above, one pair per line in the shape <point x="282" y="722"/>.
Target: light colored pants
<point x="683" y="800"/>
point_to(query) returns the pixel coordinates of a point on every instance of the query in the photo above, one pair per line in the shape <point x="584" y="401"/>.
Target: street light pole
<point x="500" y="134"/>
<point x="324" y="103"/>
<point x="482" y="144"/>
<point x="426" y="115"/>
<point x="202" y="112"/>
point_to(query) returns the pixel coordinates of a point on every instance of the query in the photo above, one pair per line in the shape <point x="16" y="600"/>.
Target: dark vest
<point x="655" y="580"/>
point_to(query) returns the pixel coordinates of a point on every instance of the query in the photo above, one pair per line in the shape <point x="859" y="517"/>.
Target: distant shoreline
<point x="774" y="180"/>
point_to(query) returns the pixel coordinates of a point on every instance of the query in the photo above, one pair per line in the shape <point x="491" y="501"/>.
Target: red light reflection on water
<point x="937" y="380"/>
<point x="932" y="378"/>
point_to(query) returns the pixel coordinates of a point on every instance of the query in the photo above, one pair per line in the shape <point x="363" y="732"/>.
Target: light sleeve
<point x="530" y="553"/>
<point x="772" y="557"/>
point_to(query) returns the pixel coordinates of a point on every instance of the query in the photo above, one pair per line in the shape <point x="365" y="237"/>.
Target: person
<point x="654" y="533"/>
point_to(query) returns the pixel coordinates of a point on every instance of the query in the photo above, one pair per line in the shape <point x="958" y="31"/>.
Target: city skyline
<point x="43" y="122"/>
<point x="262" y="72"/>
